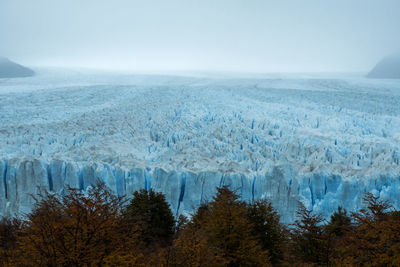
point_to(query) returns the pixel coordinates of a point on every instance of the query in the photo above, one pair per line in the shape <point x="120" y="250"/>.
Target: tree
<point x="375" y="240"/>
<point x="340" y="223"/>
<point x="191" y="248"/>
<point x="308" y="240"/>
<point x="150" y="212"/>
<point x="222" y="232"/>
<point x="391" y="237"/>
<point x="336" y="231"/>
<point x="8" y="240"/>
<point x="180" y="225"/>
<point x="76" y="229"/>
<point x="267" y="228"/>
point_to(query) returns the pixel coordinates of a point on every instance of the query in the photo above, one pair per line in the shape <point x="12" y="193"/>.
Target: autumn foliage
<point x="220" y="234"/>
<point x="97" y="228"/>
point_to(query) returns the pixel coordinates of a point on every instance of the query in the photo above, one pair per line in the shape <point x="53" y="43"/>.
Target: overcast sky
<point x="231" y="35"/>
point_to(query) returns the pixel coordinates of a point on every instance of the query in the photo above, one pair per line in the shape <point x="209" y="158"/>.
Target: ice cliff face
<point x="324" y="142"/>
<point x="187" y="190"/>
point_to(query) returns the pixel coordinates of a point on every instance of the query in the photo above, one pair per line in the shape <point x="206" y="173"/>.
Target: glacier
<point x="323" y="140"/>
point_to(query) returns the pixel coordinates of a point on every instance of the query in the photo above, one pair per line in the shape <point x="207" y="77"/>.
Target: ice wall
<point x="185" y="191"/>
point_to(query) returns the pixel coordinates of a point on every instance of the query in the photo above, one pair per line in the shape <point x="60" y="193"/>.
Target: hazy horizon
<point x="231" y="36"/>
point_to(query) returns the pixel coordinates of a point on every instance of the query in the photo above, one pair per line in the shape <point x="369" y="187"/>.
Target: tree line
<point x="97" y="228"/>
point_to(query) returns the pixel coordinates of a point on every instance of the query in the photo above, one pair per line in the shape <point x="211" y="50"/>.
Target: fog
<point x="223" y="35"/>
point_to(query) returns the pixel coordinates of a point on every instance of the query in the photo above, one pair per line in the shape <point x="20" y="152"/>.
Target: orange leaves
<point x="220" y="234"/>
<point x="97" y="229"/>
<point x="74" y="229"/>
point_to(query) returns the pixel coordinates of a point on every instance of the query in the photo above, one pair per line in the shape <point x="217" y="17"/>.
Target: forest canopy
<point x="99" y="228"/>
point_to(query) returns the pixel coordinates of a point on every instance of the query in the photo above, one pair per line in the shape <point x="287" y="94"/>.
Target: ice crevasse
<point x="323" y="142"/>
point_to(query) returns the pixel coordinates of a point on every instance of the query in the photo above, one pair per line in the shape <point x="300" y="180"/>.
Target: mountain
<point x="9" y="69"/>
<point x="387" y="68"/>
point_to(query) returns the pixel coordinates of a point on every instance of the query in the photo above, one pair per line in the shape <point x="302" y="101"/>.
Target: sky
<point x="206" y="35"/>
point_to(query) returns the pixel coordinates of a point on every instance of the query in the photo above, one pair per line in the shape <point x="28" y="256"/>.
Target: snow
<point x="323" y="139"/>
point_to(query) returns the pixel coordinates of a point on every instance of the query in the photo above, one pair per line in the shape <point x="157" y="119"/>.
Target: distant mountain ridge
<point x="9" y="69"/>
<point x="387" y="68"/>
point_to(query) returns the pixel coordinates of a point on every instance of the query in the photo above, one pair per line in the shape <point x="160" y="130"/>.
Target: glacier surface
<point x="321" y="140"/>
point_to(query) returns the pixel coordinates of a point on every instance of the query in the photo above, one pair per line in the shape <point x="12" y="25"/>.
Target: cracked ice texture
<point x="289" y="138"/>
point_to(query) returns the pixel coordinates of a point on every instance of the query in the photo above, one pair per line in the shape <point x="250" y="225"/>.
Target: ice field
<point x="323" y="140"/>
